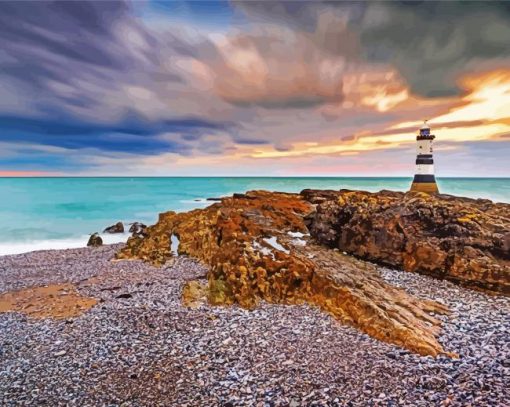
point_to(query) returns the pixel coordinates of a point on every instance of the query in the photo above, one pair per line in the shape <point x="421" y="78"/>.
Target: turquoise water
<point x="44" y="213"/>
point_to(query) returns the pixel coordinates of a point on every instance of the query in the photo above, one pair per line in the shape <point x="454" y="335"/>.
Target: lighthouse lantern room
<point x="424" y="180"/>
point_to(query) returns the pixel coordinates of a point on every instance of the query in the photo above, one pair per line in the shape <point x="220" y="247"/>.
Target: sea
<point x="59" y="213"/>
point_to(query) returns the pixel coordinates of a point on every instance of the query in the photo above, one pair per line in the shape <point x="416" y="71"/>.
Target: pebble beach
<point x="139" y="346"/>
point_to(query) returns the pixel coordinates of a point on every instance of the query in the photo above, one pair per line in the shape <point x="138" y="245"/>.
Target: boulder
<point x="95" y="240"/>
<point x="117" y="228"/>
<point x="137" y="228"/>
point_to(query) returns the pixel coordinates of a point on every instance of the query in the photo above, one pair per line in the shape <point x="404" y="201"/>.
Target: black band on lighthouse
<point x="420" y="160"/>
<point x="425" y="137"/>
<point x="422" y="178"/>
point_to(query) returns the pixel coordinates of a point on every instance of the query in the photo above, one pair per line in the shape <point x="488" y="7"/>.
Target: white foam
<point x="58" y="244"/>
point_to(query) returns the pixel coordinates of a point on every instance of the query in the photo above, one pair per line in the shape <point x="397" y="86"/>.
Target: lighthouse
<point x="424" y="180"/>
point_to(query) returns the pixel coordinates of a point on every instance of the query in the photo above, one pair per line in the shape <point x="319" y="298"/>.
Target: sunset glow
<point x="488" y="101"/>
<point x="252" y="94"/>
<point x="25" y="174"/>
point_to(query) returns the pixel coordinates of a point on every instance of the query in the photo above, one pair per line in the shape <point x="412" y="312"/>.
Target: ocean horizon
<point x="42" y="213"/>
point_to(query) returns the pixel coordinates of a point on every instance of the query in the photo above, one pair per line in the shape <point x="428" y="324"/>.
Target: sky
<point x="232" y="88"/>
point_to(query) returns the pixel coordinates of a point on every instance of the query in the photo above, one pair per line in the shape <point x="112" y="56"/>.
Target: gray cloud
<point x="276" y="68"/>
<point x="95" y="68"/>
<point x="33" y="34"/>
<point x="429" y="42"/>
<point x="109" y="67"/>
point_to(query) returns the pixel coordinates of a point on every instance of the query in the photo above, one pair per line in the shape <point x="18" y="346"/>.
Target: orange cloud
<point x="277" y="67"/>
<point x="482" y="114"/>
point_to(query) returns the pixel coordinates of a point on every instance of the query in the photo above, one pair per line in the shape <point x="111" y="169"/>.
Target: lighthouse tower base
<point x="429" y="188"/>
<point x="424" y="183"/>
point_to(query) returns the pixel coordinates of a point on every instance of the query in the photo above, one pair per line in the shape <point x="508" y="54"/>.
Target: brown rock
<point x="253" y="246"/>
<point x="95" y="240"/>
<point x="194" y="294"/>
<point x="137" y="228"/>
<point x="117" y="228"/>
<point x="463" y="240"/>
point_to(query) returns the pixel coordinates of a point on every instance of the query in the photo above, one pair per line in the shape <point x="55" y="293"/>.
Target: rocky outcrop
<point x="295" y="248"/>
<point x="117" y="228"/>
<point x="460" y="239"/>
<point x="258" y="248"/>
<point x="95" y="240"/>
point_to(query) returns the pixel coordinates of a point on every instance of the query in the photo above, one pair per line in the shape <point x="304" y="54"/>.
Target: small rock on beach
<point x="95" y="240"/>
<point x="117" y="228"/>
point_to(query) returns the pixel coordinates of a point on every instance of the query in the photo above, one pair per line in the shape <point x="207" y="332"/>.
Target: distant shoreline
<point x="246" y="176"/>
<point x="15" y="248"/>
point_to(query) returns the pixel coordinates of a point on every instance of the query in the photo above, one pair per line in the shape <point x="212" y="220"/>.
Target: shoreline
<point x="71" y="209"/>
<point x="142" y="323"/>
<point x="139" y="345"/>
<point x="79" y="242"/>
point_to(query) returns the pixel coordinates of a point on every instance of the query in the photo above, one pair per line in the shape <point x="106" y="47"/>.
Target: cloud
<point x="276" y="68"/>
<point x="133" y="134"/>
<point x="430" y="43"/>
<point x="65" y="53"/>
<point x="26" y="173"/>
<point x="89" y="74"/>
<point x="111" y="86"/>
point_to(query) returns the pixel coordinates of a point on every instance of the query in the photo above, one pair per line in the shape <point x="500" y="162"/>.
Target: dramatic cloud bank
<point x="252" y="88"/>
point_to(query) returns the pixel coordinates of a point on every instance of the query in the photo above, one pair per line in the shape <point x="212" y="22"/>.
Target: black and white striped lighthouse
<point x="424" y="180"/>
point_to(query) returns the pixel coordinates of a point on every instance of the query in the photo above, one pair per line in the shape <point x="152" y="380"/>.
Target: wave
<point x="58" y="244"/>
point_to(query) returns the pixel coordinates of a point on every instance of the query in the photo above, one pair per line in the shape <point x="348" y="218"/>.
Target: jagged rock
<point x="463" y="240"/>
<point x="95" y="240"/>
<point x="137" y="228"/>
<point x="117" y="228"/>
<point x="257" y="248"/>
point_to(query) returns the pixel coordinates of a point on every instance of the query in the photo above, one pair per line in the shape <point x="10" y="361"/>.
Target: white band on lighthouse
<point x="425" y="169"/>
<point x="424" y="147"/>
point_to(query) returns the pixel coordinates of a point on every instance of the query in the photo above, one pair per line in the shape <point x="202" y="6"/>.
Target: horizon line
<point x="244" y="176"/>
